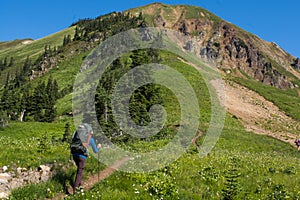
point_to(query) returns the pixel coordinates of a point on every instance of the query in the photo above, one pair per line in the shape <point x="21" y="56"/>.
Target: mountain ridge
<point x="42" y="90"/>
<point x="237" y="53"/>
<point x="226" y="45"/>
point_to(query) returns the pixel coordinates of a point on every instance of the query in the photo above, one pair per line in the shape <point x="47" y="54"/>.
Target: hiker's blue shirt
<point x="93" y="144"/>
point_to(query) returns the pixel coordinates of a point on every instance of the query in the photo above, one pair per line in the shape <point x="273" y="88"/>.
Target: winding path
<point x="93" y="179"/>
<point x="194" y="140"/>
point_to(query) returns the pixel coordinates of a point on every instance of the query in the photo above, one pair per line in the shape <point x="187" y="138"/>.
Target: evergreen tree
<point x="19" y="79"/>
<point x="51" y="94"/>
<point x="76" y="35"/>
<point x="142" y="99"/>
<point x="5" y="99"/>
<point x="232" y="186"/>
<point x="11" y="62"/>
<point x="66" y="135"/>
<point x="25" y="103"/>
<point x="47" y="51"/>
<point x="38" y="102"/>
<point x="1" y="65"/>
<point x="5" y="62"/>
<point x="55" y="90"/>
<point x="10" y="102"/>
<point x="3" y="119"/>
<point x="7" y="80"/>
<point x="67" y="40"/>
<point x="50" y="113"/>
<point x="49" y="88"/>
<point x="26" y="67"/>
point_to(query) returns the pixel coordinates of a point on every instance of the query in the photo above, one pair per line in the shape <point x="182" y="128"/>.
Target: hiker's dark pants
<point x="80" y="163"/>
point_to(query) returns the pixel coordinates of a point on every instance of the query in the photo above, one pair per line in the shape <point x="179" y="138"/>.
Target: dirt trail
<point x="257" y="114"/>
<point x="93" y="179"/>
<point x="194" y="140"/>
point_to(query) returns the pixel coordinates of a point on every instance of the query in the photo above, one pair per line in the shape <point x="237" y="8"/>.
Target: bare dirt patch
<point x="257" y="114"/>
<point x="260" y="115"/>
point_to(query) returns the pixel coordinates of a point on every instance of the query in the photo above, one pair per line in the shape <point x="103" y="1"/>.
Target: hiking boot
<point x="79" y="189"/>
<point x="69" y="189"/>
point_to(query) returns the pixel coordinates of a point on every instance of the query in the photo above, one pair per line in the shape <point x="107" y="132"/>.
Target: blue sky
<point x="271" y="20"/>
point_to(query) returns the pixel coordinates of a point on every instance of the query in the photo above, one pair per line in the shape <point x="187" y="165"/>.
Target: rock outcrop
<point x="226" y="46"/>
<point x="296" y="64"/>
<point x="12" y="179"/>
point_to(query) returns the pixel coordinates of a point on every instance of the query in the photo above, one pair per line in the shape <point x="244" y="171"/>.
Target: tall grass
<point x="31" y="144"/>
<point x="266" y="168"/>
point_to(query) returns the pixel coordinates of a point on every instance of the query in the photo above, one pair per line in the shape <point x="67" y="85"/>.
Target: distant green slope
<point x="21" y="51"/>
<point x="13" y="44"/>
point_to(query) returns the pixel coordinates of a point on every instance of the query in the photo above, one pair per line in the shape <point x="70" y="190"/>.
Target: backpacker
<point x="81" y="139"/>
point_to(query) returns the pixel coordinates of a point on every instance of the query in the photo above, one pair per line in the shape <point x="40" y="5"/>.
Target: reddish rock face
<point x="226" y="45"/>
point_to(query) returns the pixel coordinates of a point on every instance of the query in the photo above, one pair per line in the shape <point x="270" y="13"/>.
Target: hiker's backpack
<point x="297" y="142"/>
<point x="81" y="139"/>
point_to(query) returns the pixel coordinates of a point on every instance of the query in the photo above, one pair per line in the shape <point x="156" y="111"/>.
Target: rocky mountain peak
<point x="225" y="45"/>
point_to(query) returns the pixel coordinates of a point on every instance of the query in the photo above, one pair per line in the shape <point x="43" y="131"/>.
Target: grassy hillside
<point x="14" y="43"/>
<point x="31" y="144"/>
<point x="20" y="51"/>
<point x="265" y="169"/>
<point x="242" y="165"/>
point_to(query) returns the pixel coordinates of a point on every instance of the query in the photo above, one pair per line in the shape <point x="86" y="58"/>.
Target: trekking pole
<point x="98" y="166"/>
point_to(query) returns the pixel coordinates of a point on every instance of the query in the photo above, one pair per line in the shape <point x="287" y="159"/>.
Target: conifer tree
<point x="1" y="65"/>
<point x="11" y="62"/>
<point x="232" y="186"/>
<point x="66" y="135"/>
<point x="76" y="35"/>
<point x="25" y="103"/>
<point x="5" y="62"/>
<point x="19" y="78"/>
<point x="50" y="113"/>
<point x="26" y="66"/>
<point x="38" y="102"/>
<point x="50" y="99"/>
<point x="3" y="119"/>
<point x="67" y="40"/>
